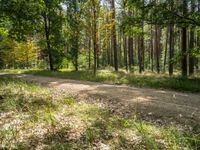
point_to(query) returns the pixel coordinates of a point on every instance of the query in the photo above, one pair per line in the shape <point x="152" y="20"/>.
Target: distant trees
<point x="41" y="19"/>
<point x="20" y="54"/>
<point x="169" y="14"/>
<point x="125" y="34"/>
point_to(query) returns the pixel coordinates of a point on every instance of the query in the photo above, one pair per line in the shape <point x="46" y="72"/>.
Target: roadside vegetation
<point x="33" y="116"/>
<point x="153" y="80"/>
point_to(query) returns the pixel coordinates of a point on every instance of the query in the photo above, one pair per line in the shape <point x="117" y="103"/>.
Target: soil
<point x="159" y="106"/>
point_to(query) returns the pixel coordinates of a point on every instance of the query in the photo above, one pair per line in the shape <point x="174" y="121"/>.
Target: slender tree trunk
<point x="149" y="57"/>
<point x="89" y="53"/>
<point x="98" y="56"/>
<point x="130" y="53"/>
<point x="95" y="50"/>
<point x="120" y="49"/>
<point x="114" y="38"/>
<point x="152" y="50"/>
<point x="166" y="48"/>
<point x="171" y="43"/>
<point x="184" y="49"/>
<point x="157" y="48"/>
<point x="141" y="52"/>
<point x="46" y="25"/>
<point x="184" y="43"/>
<point x="108" y="54"/>
<point x="191" y="44"/>
<point x="142" y="46"/>
<point x="94" y="36"/>
<point x="171" y="49"/>
<point x="125" y="53"/>
<point x="196" y="62"/>
<point x="191" y="58"/>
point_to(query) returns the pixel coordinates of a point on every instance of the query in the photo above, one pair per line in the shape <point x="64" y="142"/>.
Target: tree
<point x="94" y="7"/>
<point x="29" y="18"/>
<point x="53" y="19"/>
<point x="191" y="43"/>
<point x="73" y="18"/>
<point x="171" y="49"/>
<point x="184" y="41"/>
<point x="114" y="40"/>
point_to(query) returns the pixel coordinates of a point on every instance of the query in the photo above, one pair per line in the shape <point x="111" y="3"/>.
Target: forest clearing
<point x="100" y="74"/>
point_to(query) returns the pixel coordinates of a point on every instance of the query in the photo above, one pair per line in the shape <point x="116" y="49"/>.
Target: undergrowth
<point x="152" y="80"/>
<point x="34" y="117"/>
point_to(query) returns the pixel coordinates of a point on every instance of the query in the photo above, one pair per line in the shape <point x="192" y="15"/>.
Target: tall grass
<point x="36" y="117"/>
<point x="147" y="80"/>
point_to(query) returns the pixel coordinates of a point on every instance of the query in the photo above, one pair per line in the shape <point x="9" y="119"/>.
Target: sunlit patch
<point x="40" y="118"/>
<point x="143" y="99"/>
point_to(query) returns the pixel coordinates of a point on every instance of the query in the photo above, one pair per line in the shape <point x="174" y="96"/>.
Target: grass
<point x="35" y="117"/>
<point x="161" y="81"/>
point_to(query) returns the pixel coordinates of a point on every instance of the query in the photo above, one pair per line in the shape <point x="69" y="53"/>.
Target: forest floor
<point x="94" y="115"/>
<point x="163" y="106"/>
<point x="146" y="79"/>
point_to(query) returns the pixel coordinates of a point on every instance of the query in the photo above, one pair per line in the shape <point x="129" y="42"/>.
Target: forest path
<point x="161" y="106"/>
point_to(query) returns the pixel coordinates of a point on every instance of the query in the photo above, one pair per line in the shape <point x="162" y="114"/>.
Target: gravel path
<point x="159" y="105"/>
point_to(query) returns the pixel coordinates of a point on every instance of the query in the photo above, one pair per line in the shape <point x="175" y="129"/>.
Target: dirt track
<point x="159" y="105"/>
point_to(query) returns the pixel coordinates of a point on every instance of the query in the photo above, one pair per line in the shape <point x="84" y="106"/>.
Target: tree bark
<point x="171" y="49"/>
<point x="94" y="36"/>
<point x="152" y="50"/>
<point x="130" y="53"/>
<point x="191" y="44"/>
<point x="184" y="43"/>
<point x="141" y="51"/>
<point x="89" y="54"/>
<point x="125" y="53"/>
<point x="46" y="26"/>
<point x="157" y="48"/>
<point x="166" y="48"/>
<point x="114" y="38"/>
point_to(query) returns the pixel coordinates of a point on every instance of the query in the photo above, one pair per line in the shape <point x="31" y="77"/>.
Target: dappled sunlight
<point x="127" y="100"/>
<point x="83" y="123"/>
<point x="143" y="99"/>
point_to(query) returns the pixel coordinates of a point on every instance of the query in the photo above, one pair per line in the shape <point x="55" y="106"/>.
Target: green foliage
<point x="23" y="19"/>
<point x="22" y="16"/>
<point x="18" y="54"/>
<point x="150" y="80"/>
<point x="52" y="29"/>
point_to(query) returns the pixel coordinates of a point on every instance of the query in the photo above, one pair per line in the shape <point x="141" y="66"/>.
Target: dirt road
<point x="162" y="106"/>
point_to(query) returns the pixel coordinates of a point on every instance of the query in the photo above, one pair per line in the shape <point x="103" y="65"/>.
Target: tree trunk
<point x="184" y="49"/>
<point x="166" y="48"/>
<point x="184" y="43"/>
<point x="94" y="36"/>
<point x="89" y="54"/>
<point x="125" y="53"/>
<point x="120" y="50"/>
<point x="141" y="52"/>
<point x="114" y="39"/>
<point x="157" y="48"/>
<point x="191" y="58"/>
<point x="130" y="53"/>
<point x="152" y="50"/>
<point x="191" y="44"/>
<point x="46" y="25"/>
<point x="171" y="49"/>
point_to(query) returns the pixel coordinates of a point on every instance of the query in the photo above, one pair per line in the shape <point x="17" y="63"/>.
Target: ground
<point x="72" y="114"/>
<point x="168" y="106"/>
